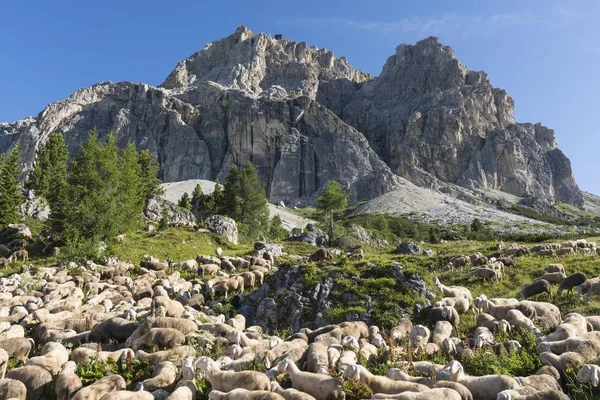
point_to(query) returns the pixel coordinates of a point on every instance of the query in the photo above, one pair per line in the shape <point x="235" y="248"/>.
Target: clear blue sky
<point x="545" y="53"/>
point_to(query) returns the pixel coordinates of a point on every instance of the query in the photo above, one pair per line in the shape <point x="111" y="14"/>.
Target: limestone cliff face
<point x="426" y="114"/>
<point x="304" y="116"/>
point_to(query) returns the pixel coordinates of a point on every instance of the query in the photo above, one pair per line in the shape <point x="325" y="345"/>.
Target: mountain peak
<point x="253" y="63"/>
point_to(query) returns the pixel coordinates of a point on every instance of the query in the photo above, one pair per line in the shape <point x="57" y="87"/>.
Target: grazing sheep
<point x="571" y="281"/>
<point x="67" y="382"/>
<point x="316" y="385"/>
<point x="547" y="253"/>
<point x="461" y="304"/>
<point x="320" y="256"/>
<point x="401" y="330"/>
<point x="555" y="268"/>
<point x="227" y="381"/>
<point x="443" y="313"/>
<point x="482" y="387"/>
<point x="484" y="273"/>
<point x="290" y="394"/>
<point x="419" y="336"/>
<point x="164" y="338"/>
<point x="52" y="357"/>
<point x="101" y="387"/>
<point x="19" y="254"/>
<point x="442" y="331"/>
<point x="163" y="377"/>
<point x="12" y="389"/>
<point x="520" y="321"/>
<point x="128" y="395"/>
<point x="112" y="328"/>
<point x="431" y="394"/>
<point x="554" y="277"/>
<point x="37" y="380"/>
<point x="381" y="384"/>
<point x="589" y="373"/>
<point x="175" y="355"/>
<point x="535" y="288"/>
<point x="18" y="348"/>
<point x="243" y="394"/>
<point x="593" y="291"/>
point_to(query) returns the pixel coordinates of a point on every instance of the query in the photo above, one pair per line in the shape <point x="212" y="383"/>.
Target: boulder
<point x="260" y="248"/>
<point x="223" y="226"/>
<point x="408" y="248"/>
<point x="35" y="207"/>
<point x="428" y="253"/>
<point x="16" y="231"/>
<point x="177" y="216"/>
<point x="312" y="235"/>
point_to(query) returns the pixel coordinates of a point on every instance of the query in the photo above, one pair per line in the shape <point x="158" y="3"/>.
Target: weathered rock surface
<point x="285" y="301"/>
<point x="408" y="248"/>
<point x="179" y="217"/>
<point x="312" y="235"/>
<point x="223" y="226"/>
<point x="300" y="113"/>
<point x="427" y="115"/>
<point x="34" y="207"/>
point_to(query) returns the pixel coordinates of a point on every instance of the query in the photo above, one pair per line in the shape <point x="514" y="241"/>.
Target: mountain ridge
<point x="304" y="116"/>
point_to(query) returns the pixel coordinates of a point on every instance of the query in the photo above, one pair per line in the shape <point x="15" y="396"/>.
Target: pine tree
<point x="184" y="201"/>
<point x="254" y="206"/>
<point x="11" y="194"/>
<point x="50" y="167"/>
<point x="333" y="200"/>
<point x="149" y="169"/>
<point x="164" y="220"/>
<point x="276" y="229"/>
<point x="131" y="193"/>
<point x="197" y="196"/>
<point x="232" y="201"/>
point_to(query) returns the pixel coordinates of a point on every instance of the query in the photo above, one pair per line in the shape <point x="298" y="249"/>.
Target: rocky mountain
<point x="304" y="116"/>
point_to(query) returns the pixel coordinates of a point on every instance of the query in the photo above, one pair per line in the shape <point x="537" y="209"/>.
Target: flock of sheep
<point x="56" y="319"/>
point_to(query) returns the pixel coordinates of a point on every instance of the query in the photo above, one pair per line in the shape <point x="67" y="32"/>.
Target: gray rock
<point x="428" y="253"/>
<point x="304" y="116"/>
<point x="35" y="207"/>
<point x="223" y="226"/>
<point x="178" y="217"/>
<point x="408" y="248"/>
<point x="427" y="116"/>
<point x="260" y="248"/>
<point x="16" y="231"/>
<point x="312" y="235"/>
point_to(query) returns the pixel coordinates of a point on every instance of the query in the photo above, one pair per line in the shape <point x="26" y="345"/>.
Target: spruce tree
<point x="276" y="229"/>
<point x="332" y="201"/>
<point x="197" y="196"/>
<point x="164" y="220"/>
<point x="184" y="201"/>
<point x="11" y="194"/>
<point x="254" y="210"/>
<point x="149" y="170"/>
<point x="50" y="167"/>
<point x="232" y="201"/>
<point x="131" y="194"/>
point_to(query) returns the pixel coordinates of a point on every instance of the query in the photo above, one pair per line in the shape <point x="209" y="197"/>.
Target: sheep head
<point x="455" y="369"/>
<point x="589" y="374"/>
<point x="351" y="372"/>
<point x="351" y="343"/>
<point x="68" y="367"/>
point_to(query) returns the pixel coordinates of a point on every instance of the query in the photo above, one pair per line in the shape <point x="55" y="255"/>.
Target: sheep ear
<point x="267" y="362"/>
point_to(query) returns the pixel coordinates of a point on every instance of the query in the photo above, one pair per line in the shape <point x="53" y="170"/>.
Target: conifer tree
<point x="276" y="229"/>
<point x="232" y="201"/>
<point x="149" y="169"/>
<point x="254" y="210"/>
<point x="184" y="201"/>
<point x="197" y="196"/>
<point x="333" y="200"/>
<point x="164" y="220"/>
<point x="11" y="194"/>
<point x="50" y="167"/>
<point x="131" y="194"/>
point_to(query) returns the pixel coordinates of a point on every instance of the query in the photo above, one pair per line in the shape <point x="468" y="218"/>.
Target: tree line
<point x="100" y="194"/>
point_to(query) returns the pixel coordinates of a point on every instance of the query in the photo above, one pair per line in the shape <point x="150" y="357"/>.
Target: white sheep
<point x="164" y="375"/>
<point x="441" y="331"/>
<point x="482" y="387"/>
<point x="52" y="357"/>
<point x="381" y="384"/>
<point x="316" y="385"/>
<point x="431" y="394"/>
<point x="589" y="373"/>
<point x="228" y="380"/>
<point x="67" y="382"/>
<point x="101" y="387"/>
<point x="290" y="394"/>
<point x="243" y="394"/>
<point x="419" y="336"/>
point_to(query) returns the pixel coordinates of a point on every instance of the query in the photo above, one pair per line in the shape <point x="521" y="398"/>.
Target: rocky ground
<point x="188" y="328"/>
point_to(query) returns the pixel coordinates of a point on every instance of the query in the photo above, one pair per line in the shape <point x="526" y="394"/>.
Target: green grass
<point x="174" y="243"/>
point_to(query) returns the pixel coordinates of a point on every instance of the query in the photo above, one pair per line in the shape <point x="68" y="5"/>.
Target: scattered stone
<point x="313" y="236"/>
<point x="428" y="253"/>
<point x="35" y="207"/>
<point x="177" y="216"/>
<point x="260" y="248"/>
<point x="223" y="226"/>
<point x="219" y="252"/>
<point x="408" y="248"/>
